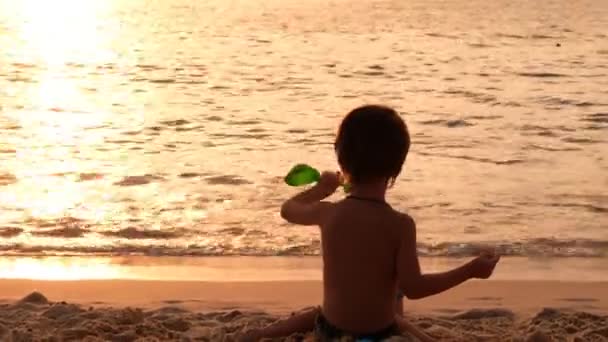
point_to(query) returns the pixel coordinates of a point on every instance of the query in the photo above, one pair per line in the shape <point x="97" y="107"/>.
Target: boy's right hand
<point x="483" y="266"/>
<point x="329" y="182"/>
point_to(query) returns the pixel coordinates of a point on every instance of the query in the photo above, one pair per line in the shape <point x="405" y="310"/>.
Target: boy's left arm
<point x="308" y="208"/>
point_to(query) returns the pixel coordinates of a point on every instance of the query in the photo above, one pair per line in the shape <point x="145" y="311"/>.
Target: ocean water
<point x="165" y="127"/>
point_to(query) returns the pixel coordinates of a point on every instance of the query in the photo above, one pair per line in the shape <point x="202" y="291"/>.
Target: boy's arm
<point x="416" y="285"/>
<point x="308" y="207"/>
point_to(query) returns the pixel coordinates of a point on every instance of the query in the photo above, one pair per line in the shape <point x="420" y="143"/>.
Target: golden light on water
<point x="57" y="31"/>
<point x="57" y="146"/>
<point x="119" y="117"/>
<point x="48" y="197"/>
<point x="58" y="268"/>
<point x="61" y="38"/>
<point x="58" y="34"/>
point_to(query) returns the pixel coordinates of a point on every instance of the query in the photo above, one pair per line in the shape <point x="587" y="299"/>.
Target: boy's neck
<point x="372" y="190"/>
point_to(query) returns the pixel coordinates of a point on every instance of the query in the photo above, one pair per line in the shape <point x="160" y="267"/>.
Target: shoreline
<point x="271" y="268"/>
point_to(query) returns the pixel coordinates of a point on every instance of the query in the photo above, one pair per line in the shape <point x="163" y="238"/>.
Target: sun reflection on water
<point x="60" y="31"/>
<point x="61" y="36"/>
<point x="67" y="268"/>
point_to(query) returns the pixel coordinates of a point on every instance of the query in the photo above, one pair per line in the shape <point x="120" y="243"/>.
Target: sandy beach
<point x="132" y="310"/>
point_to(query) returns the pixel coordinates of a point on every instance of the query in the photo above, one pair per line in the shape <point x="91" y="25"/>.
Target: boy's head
<point x="372" y="144"/>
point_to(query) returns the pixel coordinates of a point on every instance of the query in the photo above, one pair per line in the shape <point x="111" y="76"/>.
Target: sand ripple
<point x="35" y="318"/>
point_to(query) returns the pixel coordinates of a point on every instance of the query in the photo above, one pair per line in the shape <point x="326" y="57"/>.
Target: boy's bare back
<point x="369" y="249"/>
<point x="361" y="239"/>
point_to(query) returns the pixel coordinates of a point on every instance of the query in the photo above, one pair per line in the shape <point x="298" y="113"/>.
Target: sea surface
<point x="164" y="128"/>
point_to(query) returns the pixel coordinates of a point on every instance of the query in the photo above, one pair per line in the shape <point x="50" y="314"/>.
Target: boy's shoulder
<point x="402" y="226"/>
<point x="405" y="220"/>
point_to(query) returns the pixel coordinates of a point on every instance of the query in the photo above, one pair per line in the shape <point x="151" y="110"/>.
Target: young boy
<point x="369" y="249"/>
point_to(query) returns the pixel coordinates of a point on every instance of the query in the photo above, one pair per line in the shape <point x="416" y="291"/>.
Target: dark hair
<point x="372" y="144"/>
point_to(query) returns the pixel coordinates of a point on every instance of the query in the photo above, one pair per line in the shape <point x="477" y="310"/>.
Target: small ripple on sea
<point x="214" y="118"/>
<point x="227" y="180"/>
<point x="244" y="122"/>
<point x="480" y="45"/>
<point x="24" y="65"/>
<point x="240" y="136"/>
<point x="447" y="123"/>
<point x="557" y="102"/>
<point x="596" y="118"/>
<point x="576" y="140"/>
<point x="178" y="122"/>
<point x="7" y="178"/>
<point x="148" y="67"/>
<point x="475" y="159"/>
<point x="544" y="36"/>
<point x="592" y="207"/>
<point x="441" y="35"/>
<point x="476" y="97"/>
<point x="122" y="141"/>
<point x="132" y="132"/>
<point x="484" y="117"/>
<point x="371" y="72"/>
<point x="296" y="131"/>
<point x="22" y="79"/>
<point x="231" y="231"/>
<point x="309" y="142"/>
<point x="10" y="232"/>
<point x="449" y="146"/>
<point x="541" y="74"/>
<point x="63" y="232"/>
<point x="138" y="180"/>
<point x="511" y="104"/>
<point x="509" y="35"/>
<point x="419" y="90"/>
<point x="84" y="176"/>
<point x="189" y="128"/>
<point x="256" y="130"/>
<point x="550" y="148"/>
<point x="257" y="233"/>
<point x="586" y="206"/>
<point x="141" y="233"/>
<point x="467" y="211"/>
<point x="10" y="126"/>
<point x="545" y="131"/>
<point x="595" y="127"/>
<point x="537" y="130"/>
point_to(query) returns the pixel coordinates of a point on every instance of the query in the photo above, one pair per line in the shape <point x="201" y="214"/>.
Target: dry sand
<point x="127" y="310"/>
